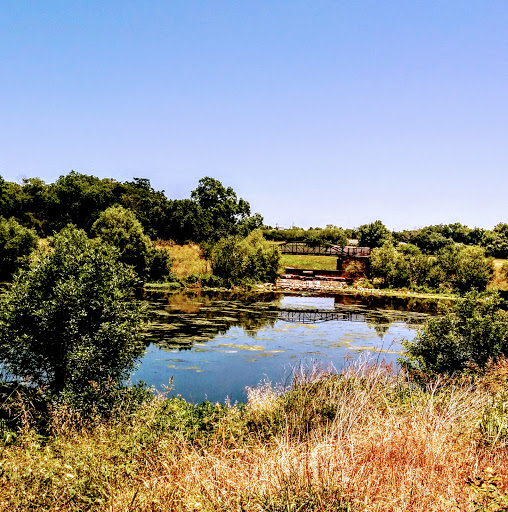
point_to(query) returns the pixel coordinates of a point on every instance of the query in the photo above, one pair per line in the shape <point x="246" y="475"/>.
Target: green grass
<point x="309" y="262"/>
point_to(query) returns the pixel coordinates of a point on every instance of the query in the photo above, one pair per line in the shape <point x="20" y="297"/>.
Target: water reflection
<point x="213" y="345"/>
<point x="183" y="319"/>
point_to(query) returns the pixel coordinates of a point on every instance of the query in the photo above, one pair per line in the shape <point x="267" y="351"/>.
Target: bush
<point x="119" y="227"/>
<point x="466" y="338"/>
<point x="69" y="322"/>
<point x="465" y="267"/>
<point x="16" y="243"/>
<point x="249" y="260"/>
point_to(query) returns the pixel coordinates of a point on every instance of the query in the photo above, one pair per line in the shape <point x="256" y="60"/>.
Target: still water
<point x="214" y="345"/>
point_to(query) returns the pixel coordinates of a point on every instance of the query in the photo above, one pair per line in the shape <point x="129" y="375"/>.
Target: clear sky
<point x="315" y="111"/>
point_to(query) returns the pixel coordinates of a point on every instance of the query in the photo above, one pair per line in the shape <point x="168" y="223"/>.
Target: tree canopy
<point x="16" y="243"/>
<point x="69" y="320"/>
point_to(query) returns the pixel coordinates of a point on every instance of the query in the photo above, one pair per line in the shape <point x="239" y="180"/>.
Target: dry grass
<point x="363" y="441"/>
<point x="499" y="277"/>
<point x="187" y="260"/>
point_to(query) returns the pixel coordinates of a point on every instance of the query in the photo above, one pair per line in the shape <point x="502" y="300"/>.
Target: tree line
<point x="429" y="239"/>
<point x="212" y="211"/>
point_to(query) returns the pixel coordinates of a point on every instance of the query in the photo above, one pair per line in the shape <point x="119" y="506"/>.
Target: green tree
<point x="119" y="227"/>
<point x="10" y="200"/>
<point x="327" y="237"/>
<point x="373" y="234"/>
<point x="496" y="241"/>
<point x="252" y="259"/>
<point x="16" y="243"/>
<point x="224" y="212"/>
<point x="431" y="239"/>
<point x="186" y="222"/>
<point x="79" y="200"/>
<point x="383" y="261"/>
<point x="464" y="267"/>
<point x="475" y="331"/>
<point x="69" y="322"/>
<point x="149" y="205"/>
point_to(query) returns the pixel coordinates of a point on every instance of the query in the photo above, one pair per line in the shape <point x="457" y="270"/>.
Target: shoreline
<point x="314" y="286"/>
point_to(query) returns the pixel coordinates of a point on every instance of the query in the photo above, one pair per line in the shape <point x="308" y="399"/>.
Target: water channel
<point x="213" y="345"/>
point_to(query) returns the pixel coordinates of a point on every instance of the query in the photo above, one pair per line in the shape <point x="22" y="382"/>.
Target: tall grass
<point x="187" y="260"/>
<point x="498" y="279"/>
<point x="363" y="440"/>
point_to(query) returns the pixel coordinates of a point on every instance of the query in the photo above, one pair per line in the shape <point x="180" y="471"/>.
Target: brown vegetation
<point x="361" y="441"/>
<point x="499" y="278"/>
<point x="187" y="260"/>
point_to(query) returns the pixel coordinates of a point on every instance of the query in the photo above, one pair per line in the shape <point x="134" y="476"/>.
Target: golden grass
<point x="187" y="260"/>
<point x="387" y="447"/>
<point x="499" y="277"/>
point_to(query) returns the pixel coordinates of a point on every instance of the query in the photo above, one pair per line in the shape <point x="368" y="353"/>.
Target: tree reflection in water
<point x="181" y="319"/>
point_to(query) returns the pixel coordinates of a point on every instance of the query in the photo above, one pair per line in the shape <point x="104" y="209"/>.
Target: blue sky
<point x="317" y="112"/>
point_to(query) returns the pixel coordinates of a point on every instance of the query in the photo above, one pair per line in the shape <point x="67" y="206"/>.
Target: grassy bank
<point x="362" y="441"/>
<point x="309" y="262"/>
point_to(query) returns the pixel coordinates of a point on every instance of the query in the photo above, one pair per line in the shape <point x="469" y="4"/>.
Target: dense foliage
<point x="16" y="243"/>
<point x="119" y="227"/>
<point x="470" y="335"/>
<point x="212" y="212"/>
<point x="252" y="259"/>
<point x="69" y="323"/>
<point x="327" y="237"/>
<point x="456" y="267"/>
<point x="373" y="234"/>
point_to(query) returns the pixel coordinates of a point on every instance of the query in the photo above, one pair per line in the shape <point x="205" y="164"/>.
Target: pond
<point x="213" y="345"/>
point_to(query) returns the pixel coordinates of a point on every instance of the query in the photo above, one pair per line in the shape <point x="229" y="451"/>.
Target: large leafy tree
<point x="223" y="212"/>
<point x="464" y="267"/>
<point x="186" y="222"/>
<point x="373" y="235"/>
<point x="79" y="200"/>
<point x="149" y="205"/>
<point x="69" y="322"/>
<point x="118" y="226"/>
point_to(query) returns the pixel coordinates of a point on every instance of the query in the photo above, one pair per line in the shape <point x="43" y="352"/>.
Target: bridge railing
<point x="321" y="250"/>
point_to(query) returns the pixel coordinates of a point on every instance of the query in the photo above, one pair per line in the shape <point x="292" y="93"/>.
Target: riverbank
<point x="309" y="287"/>
<point x="362" y="441"/>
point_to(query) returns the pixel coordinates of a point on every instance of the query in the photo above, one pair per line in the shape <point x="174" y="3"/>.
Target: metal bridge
<point x="322" y="250"/>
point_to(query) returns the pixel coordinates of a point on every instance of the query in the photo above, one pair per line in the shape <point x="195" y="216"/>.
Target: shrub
<point x="240" y="261"/>
<point x="119" y="227"/>
<point x="465" y="267"/>
<point x="466" y="338"/>
<point x="69" y="322"/>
